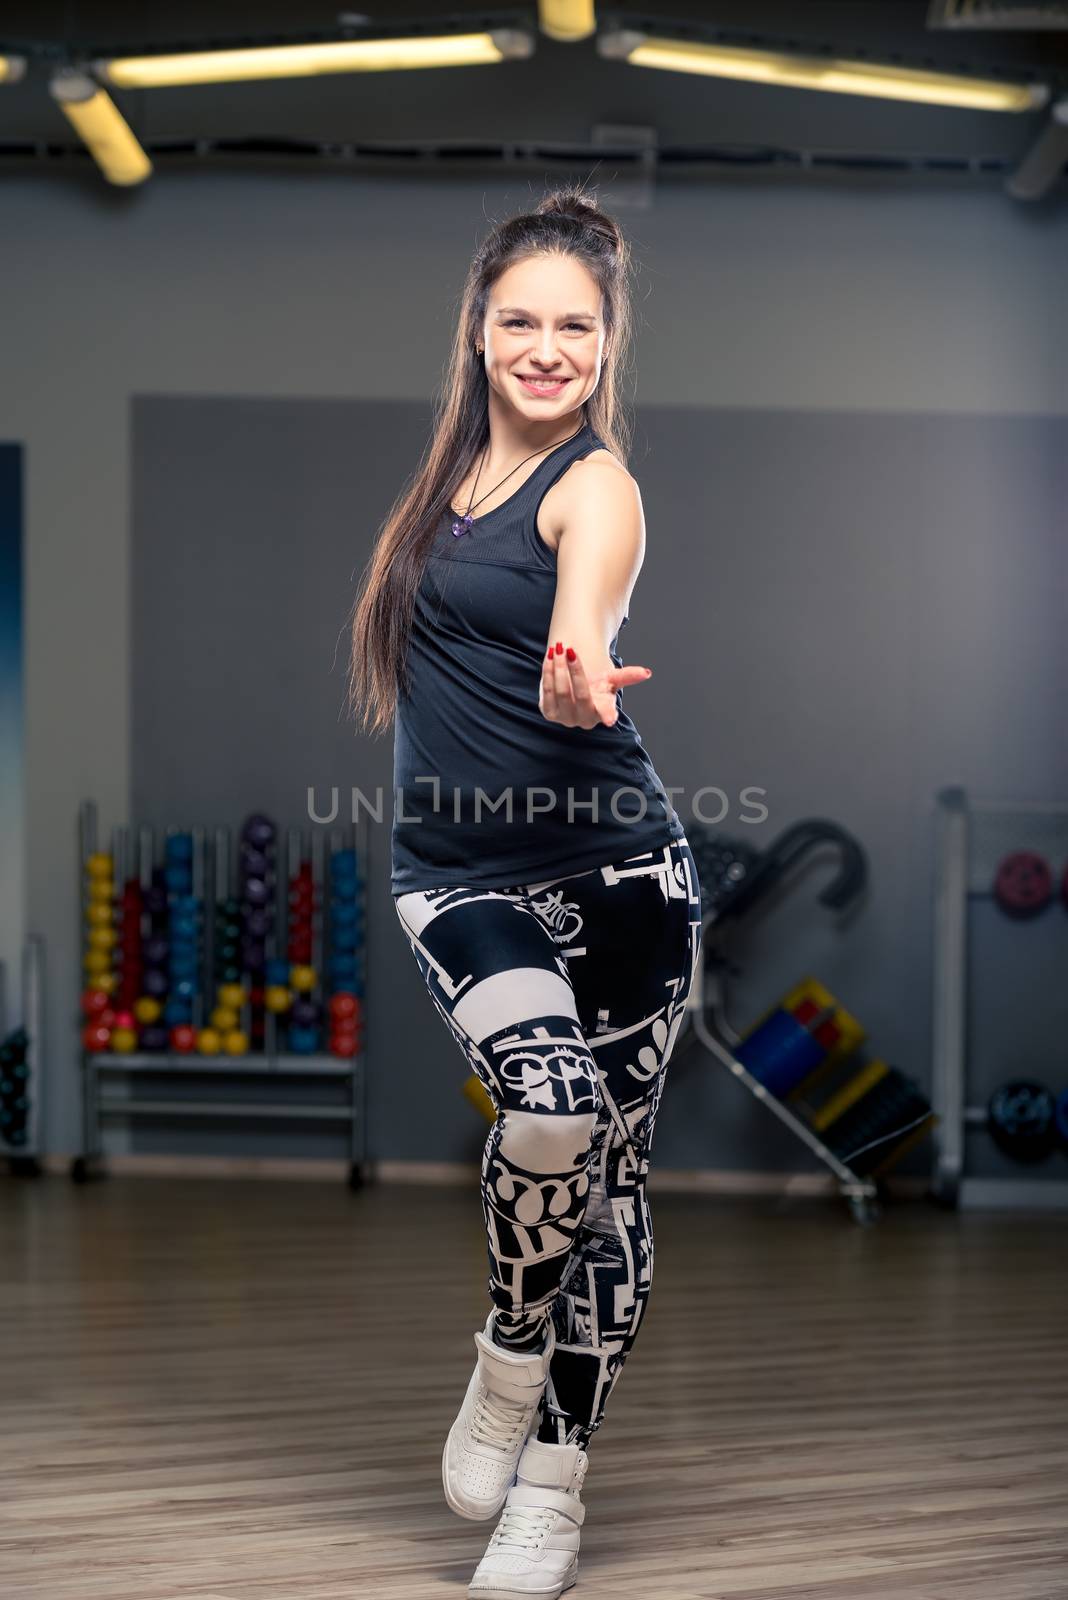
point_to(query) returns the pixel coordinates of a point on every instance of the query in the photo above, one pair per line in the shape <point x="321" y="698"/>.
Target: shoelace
<point x="522" y="1526"/>
<point x="497" y="1422"/>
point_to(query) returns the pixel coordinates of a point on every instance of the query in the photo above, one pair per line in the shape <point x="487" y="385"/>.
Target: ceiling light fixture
<point x="566" y="20"/>
<point x="97" y="120"/>
<point x="830" y="74"/>
<point x="311" y="60"/>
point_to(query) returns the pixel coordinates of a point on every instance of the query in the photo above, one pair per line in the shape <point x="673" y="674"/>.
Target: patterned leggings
<point x="566" y="997"/>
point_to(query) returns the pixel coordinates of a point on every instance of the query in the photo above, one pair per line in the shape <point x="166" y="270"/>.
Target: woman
<point x="542" y="879"/>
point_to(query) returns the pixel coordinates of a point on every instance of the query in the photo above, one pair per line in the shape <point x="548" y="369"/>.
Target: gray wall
<point x="845" y="610"/>
<point x="873" y="353"/>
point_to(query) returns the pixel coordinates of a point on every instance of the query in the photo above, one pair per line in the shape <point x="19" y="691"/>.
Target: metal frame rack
<point x="213" y="864"/>
<point x="740" y="881"/>
<point x="23" y="1158"/>
<point x="706" y="1013"/>
<point x="972" y="836"/>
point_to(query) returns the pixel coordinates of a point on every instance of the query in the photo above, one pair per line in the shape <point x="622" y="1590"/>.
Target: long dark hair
<point x="565" y="221"/>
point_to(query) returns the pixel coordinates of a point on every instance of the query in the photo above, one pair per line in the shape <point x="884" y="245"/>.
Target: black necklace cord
<point x="472" y="502"/>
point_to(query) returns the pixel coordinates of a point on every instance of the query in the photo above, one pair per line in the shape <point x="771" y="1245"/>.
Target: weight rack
<point x="972" y="837"/>
<point x="706" y="1012"/>
<point x="215" y="864"/>
<point x="24" y="1158"/>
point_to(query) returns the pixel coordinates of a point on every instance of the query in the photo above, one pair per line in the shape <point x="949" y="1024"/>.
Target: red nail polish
<point x="559" y="648"/>
<point x="570" y="653"/>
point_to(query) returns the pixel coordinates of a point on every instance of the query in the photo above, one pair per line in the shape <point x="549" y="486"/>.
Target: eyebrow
<point x="587" y="315"/>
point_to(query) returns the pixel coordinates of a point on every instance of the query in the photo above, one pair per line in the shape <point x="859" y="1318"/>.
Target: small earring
<point x="478" y="349"/>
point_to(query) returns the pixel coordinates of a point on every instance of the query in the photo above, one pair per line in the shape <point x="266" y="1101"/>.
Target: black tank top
<point x="579" y="797"/>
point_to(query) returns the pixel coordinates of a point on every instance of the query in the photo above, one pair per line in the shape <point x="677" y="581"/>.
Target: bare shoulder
<point x="603" y="456"/>
<point x="601" y="472"/>
<point x="601" y="462"/>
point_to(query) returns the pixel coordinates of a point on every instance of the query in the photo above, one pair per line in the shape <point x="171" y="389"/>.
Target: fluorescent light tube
<point x="566" y="20"/>
<point x="310" y="60"/>
<point x="833" y="76"/>
<point x="1041" y="167"/>
<point x="97" y="120"/>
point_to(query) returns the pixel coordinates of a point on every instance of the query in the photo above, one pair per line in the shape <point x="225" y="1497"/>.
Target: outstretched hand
<point x="569" y="697"/>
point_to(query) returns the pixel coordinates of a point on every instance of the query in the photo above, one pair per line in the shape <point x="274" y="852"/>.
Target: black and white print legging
<point x="566" y="997"/>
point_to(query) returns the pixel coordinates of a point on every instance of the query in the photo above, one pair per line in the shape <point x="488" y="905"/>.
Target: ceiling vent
<point x="1016" y="16"/>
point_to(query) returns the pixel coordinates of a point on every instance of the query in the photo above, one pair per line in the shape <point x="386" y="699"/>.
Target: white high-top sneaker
<point x="499" y="1409"/>
<point x="533" y="1551"/>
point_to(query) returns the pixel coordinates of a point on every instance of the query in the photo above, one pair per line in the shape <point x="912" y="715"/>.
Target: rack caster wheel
<point x="24" y="1166"/>
<point x="82" y="1170"/>
<point x="945" y="1194"/>
<point x="355" y="1176"/>
<point x="864" y="1211"/>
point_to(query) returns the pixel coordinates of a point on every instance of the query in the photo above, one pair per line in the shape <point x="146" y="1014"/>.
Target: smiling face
<point x="543" y="320"/>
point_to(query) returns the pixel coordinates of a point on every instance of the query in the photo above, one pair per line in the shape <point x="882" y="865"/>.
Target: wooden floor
<point x="224" y="1390"/>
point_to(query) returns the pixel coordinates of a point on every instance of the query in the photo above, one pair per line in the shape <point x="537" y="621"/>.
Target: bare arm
<point x="600" y="553"/>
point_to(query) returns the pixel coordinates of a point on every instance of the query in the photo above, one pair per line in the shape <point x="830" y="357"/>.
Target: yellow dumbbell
<point x="478" y="1097"/>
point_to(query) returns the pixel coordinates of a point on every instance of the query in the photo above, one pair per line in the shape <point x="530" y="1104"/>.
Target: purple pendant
<point x="462" y="526"/>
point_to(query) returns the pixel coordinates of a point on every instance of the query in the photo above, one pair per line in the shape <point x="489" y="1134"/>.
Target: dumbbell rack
<point x="216" y="864"/>
<point x="706" y="1012"/>
<point x="24" y="1158"/>
<point x="972" y="837"/>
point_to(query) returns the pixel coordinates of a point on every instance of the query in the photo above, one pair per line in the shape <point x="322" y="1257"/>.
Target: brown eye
<point x="515" y="322"/>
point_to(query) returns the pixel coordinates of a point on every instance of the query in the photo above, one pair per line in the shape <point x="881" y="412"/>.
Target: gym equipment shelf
<point x="23" y="1153"/>
<point x="972" y="838"/>
<point x="213" y="864"/>
<point x="706" y="1013"/>
<point x="97" y="1104"/>
<point x="732" y="883"/>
